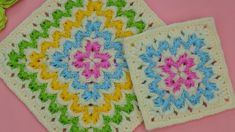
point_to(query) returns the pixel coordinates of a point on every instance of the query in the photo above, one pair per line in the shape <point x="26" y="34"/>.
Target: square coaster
<point x="66" y="63"/>
<point x="179" y="73"/>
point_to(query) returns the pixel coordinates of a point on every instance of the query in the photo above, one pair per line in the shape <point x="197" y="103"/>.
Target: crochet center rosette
<point x="66" y="63"/>
<point x="179" y="73"/>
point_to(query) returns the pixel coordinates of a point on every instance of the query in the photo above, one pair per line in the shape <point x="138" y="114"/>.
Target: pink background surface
<point x="14" y="116"/>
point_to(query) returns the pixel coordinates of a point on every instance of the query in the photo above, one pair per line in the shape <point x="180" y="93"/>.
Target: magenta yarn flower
<point x="179" y="72"/>
<point x="91" y="60"/>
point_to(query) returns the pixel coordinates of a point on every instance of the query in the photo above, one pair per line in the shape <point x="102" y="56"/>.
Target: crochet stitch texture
<point x="179" y="73"/>
<point x="66" y="63"/>
<point x="170" y="70"/>
<point x="4" y="4"/>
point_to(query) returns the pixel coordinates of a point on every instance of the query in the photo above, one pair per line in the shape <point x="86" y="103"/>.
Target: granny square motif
<point x="66" y="63"/>
<point x="179" y="73"/>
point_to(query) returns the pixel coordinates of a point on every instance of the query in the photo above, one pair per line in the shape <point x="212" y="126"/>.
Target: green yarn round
<point x="7" y="3"/>
<point x="3" y="18"/>
<point x="3" y="5"/>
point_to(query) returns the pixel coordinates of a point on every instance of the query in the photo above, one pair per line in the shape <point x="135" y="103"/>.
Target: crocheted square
<point x="179" y="73"/>
<point x="65" y="62"/>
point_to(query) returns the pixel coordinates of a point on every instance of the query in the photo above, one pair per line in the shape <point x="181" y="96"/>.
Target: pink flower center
<point x="179" y="72"/>
<point x="91" y="61"/>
